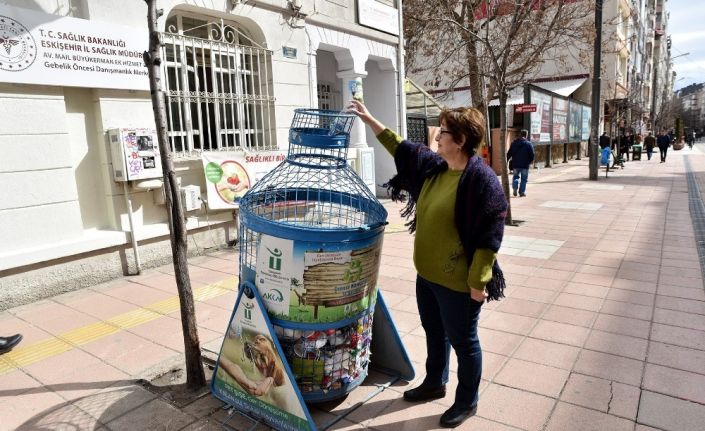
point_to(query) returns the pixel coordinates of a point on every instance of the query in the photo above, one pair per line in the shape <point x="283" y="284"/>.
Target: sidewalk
<point x="603" y="327"/>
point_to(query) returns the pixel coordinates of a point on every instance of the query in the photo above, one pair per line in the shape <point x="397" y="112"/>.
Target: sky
<point x="687" y="30"/>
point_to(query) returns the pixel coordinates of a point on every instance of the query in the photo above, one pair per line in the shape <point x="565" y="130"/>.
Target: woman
<point x="458" y="210"/>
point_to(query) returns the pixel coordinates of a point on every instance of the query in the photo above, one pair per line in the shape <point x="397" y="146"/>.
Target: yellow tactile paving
<point x="35" y="352"/>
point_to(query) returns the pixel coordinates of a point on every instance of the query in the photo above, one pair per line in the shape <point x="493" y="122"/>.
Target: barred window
<point x="218" y="88"/>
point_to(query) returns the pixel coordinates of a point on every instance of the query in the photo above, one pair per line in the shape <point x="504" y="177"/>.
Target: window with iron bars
<point x="218" y="88"/>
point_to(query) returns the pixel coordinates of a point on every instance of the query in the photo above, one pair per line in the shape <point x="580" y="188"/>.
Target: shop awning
<point x="516" y="97"/>
<point x="564" y="87"/>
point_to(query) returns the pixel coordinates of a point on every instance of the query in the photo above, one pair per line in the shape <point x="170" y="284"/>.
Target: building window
<point x="218" y="88"/>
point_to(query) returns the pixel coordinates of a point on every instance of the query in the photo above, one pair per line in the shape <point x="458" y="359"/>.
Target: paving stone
<point x="569" y="315"/>
<point x="508" y="322"/>
<point x="155" y="415"/>
<point x="678" y="357"/>
<point x="532" y="377"/>
<point x="623" y="325"/>
<point x="680" y="304"/>
<point x="680" y="318"/>
<point x="626" y="309"/>
<point x="502" y="343"/>
<point x="548" y="353"/>
<point x="574" y="418"/>
<point x="679" y="336"/>
<point x="604" y="395"/>
<point x="609" y="367"/>
<point x="580" y="302"/>
<point x="515" y="407"/>
<point x="560" y="333"/>
<point x="616" y="344"/>
<point x="669" y="413"/>
<point x="678" y="383"/>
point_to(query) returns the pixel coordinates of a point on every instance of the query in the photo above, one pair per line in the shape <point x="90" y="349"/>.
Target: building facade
<point x="233" y="73"/>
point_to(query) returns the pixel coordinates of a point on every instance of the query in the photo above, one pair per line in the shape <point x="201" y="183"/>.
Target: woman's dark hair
<point x="467" y="122"/>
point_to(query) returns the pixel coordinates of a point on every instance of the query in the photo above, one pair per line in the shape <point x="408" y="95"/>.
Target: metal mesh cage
<point x="328" y="361"/>
<point x="320" y="137"/>
<point x="310" y="241"/>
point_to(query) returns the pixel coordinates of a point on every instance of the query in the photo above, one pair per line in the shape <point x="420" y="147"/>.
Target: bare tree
<point x="504" y="43"/>
<point x="195" y="377"/>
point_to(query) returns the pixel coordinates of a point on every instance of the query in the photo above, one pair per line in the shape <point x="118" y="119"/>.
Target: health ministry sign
<point x="45" y="49"/>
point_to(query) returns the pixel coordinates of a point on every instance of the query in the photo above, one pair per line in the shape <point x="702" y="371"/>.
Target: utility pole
<point x="596" y="84"/>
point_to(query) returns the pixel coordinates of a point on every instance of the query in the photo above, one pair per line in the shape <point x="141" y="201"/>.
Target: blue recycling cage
<point x="310" y="240"/>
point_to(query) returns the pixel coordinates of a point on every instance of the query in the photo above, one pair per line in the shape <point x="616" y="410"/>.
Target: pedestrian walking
<point x="649" y="143"/>
<point x="457" y="209"/>
<point x="521" y="154"/>
<point x="663" y="141"/>
<point x="9" y="343"/>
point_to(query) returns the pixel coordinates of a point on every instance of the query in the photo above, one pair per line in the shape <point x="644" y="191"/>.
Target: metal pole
<point x="402" y="72"/>
<point x="133" y="234"/>
<point x="596" y="83"/>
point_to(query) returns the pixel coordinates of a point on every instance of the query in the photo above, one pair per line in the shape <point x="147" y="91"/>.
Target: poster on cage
<point x="316" y="282"/>
<point x="560" y="120"/>
<point x="251" y="373"/>
<point x="229" y="175"/>
<point x="541" y="119"/>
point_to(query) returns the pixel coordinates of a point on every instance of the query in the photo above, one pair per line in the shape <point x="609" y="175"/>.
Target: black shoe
<point x="523" y="195"/>
<point x="7" y="343"/>
<point x="456" y="415"/>
<point x="425" y="393"/>
<point x="514" y="192"/>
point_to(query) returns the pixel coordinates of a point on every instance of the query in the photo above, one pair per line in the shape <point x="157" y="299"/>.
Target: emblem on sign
<point x="17" y="47"/>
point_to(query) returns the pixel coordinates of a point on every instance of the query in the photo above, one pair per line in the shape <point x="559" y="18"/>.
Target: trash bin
<point x="311" y="237"/>
<point x="636" y="152"/>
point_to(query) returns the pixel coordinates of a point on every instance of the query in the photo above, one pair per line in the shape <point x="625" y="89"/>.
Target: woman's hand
<point x="361" y="111"/>
<point x="478" y="295"/>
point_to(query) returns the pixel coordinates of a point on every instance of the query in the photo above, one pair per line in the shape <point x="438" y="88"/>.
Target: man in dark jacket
<point x="663" y="141"/>
<point x="521" y="154"/>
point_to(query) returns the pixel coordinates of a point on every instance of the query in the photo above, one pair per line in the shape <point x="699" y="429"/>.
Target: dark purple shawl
<point x="480" y="205"/>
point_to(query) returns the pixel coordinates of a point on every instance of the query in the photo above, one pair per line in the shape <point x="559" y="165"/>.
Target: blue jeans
<point x="450" y="319"/>
<point x="524" y="173"/>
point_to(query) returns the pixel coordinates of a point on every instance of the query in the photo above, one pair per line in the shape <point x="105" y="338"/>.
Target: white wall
<point x="40" y="200"/>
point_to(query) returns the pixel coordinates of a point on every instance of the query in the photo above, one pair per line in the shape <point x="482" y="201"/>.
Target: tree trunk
<point x="195" y="377"/>
<point x="503" y="151"/>
<point x="475" y="79"/>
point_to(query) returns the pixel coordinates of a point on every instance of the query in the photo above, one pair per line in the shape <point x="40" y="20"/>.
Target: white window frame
<point x="218" y="89"/>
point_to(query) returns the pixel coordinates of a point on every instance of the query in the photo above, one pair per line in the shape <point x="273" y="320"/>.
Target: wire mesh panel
<point x="311" y="240"/>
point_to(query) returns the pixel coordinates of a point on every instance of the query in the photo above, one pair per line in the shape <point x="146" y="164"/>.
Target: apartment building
<point x="72" y="82"/>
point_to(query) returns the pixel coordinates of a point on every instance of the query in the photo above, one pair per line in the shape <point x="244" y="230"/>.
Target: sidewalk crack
<point x="609" y="402"/>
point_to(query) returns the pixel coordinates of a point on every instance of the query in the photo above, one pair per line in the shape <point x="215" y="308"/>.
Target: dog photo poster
<point x="252" y="376"/>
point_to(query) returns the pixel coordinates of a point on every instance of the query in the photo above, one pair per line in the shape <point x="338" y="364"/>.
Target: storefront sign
<point x="229" y="175"/>
<point x="525" y="107"/>
<point x="307" y="281"/>
<point x="251" y="373"/>
<point x="374" y="14"/>
<point x="40" y="48"/>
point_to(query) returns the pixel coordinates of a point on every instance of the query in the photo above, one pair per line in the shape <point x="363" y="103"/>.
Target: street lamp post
<point x="595" y="119"/>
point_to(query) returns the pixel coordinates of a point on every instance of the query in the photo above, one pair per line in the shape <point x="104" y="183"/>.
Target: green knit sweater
<point x="438" y="253"/>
